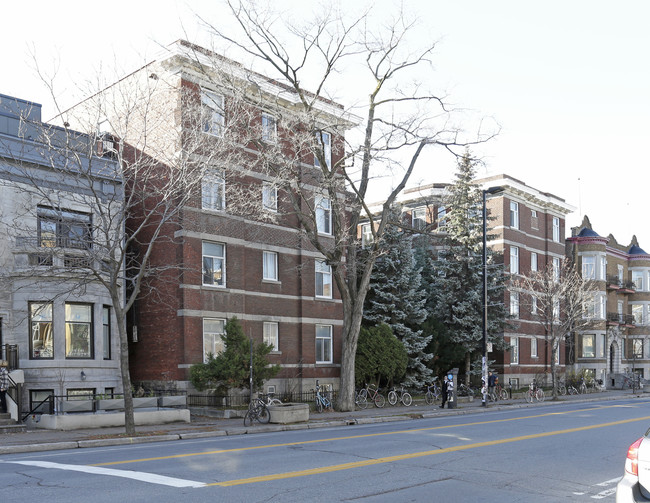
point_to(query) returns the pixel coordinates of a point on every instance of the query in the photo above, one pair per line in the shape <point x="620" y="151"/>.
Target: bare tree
<point x="560" y="301"/>
<point x="104" y="160"/>
<point x="318" y="172"/>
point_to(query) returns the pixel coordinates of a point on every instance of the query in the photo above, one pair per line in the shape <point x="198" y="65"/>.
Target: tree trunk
<point x="350" y="337"/>
<point x="129" y="419"/>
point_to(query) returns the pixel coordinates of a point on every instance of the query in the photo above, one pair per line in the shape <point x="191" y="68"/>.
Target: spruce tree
<point x="457" y="285"/>
<point x="397" y="299"/>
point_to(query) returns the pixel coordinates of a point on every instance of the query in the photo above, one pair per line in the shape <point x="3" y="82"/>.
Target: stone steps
<point x="8" y="425"/>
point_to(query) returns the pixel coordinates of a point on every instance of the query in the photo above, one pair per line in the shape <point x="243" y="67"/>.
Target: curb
<point x="331" y="423"/>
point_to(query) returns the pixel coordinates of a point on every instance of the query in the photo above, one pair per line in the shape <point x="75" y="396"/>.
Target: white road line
<point x="604" y="494"/>
<point x="128" y="474"/>
<point x="609" y="482"/>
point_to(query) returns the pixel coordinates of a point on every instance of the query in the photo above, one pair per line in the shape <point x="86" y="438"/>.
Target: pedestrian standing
<point x="492" y="382"/>
<point x="444" y="393"/>
<point x="4" y="386"/>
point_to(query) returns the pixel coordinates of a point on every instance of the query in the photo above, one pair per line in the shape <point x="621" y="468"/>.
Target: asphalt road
<point x="562" y="452"/>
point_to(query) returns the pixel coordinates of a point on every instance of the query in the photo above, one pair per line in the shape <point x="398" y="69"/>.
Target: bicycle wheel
<point x="529" y="396"/>
<point x="361" y="401"/>
<point x="364" y="393"/>
<point x="319" y="405"/>
<point x="248" y="418"/>
<point x="503" y="395"/>
<point x="407" y="399"/>
<point x="429" y="398"/>
<point x="539" y="394"/>
<point x="275" y="401"/>
<point x="392" y="397"/>
<point x="573" y="390"/>
<point x="380" y="401"/>
<point x="561" y="389"/>
<point x="263" y="414"/>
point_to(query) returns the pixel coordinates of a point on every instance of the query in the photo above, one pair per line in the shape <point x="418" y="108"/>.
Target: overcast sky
<point x="568" y="81"/>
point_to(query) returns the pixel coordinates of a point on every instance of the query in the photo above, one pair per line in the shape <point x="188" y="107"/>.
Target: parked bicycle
<point x="322" y="400"/>
<point x="561" y="388"/>
<point x="583" y="386"/>
<point x="269" y="399"/>
<point x="433" y="393"/>
<point x="464" y="390"/>
<point x="399" y="394"/>
<point x="500" y="392"/>
<point x="534" y="393"/>
<point x="371" y="394"/>
<point x="360" y="399"/>
<point x="257" y="411"/>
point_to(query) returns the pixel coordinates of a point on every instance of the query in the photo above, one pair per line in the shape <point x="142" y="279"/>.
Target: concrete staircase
<point x="8" y="425"/>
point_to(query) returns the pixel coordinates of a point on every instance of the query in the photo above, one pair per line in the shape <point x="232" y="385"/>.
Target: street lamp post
<point x="484" y="362"/>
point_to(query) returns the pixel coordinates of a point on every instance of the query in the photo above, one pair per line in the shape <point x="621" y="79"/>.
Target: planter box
<point x="145" y="402"/>
<point x="77" y="406"/>
<point x="172" y="401"/>
<point x="111" y="404"/>
<point x="289" y="413"/>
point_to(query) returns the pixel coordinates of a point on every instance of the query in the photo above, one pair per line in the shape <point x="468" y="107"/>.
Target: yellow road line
<point x="351" y="437"/>
<point x="413" y="455"/>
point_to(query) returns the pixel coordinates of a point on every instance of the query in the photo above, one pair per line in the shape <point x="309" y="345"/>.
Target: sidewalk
<point x="35" y="440"/>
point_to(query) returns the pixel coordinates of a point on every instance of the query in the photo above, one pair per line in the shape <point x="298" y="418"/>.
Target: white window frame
<point x="514" y="259"/>
<point x="213" y="192"/>
<point x="208" y="255"/>
<point x="269" y="128"/>
<point x="514" y="215"/>
<point x="324" y="141"/>
<point x="556" y="269"/>
<point x="269" y="266"/>
<point x="269" y="197"/>
<point x="637" y="313"/>
<point x="514" y="350"/>
<point x="323" y="273"/>
<point x="620" y="273"/>
<point x="533" y="347"/>
<point x="588" y="267"/>
<point x="637" y="279"/>
<point x="323" y="208"/>
<point x="441" y="213"/>
<point x="603" y="268"/>
<point x="419" y="218"/>
<point x="583" y="337"/>
<point x="514" y="304"/>
<point x="534" y="221"/>
<point x="366" y="235"/>
<point x="533" y="261"/>
<point x="323" y="346"/>
<point x="556" y="229"/>
<point x="214" y="120"/>
<point x="533" y="304"/>
<point x="213" y="339"/>
<point x="271" y="335"/>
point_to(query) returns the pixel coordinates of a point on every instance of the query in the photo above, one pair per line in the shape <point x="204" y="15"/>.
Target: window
<point x="534" y="221"/>
<point x="41" y="401"/>
<point x="602" y="308"/>
<point x="442" y="212"/>
<point x="324" y="144"/>
<point x="603" y="268"/>
<point x="40" y="319"/>
<point x="270" y="266"/>
<point x="323" y="344"/>
<point x="637" y="313"/>
<point x="556" y="229"/>
<point x="366" y="235"/>
<point x="514" y="304"/>
<point x="269" y="128"/>
<point x="213" y="191"/>
<point x="78" y="331"/>
<point x="271" y="335"/>
<point x="588" y="346"/>
<point x="533" y="304"/>
<point x="556" y="309"/>
<point x="637" y="348"/>
<point x="556" y="269"/>
<point x="106" y="332"/>
<point x="514" y="349"/>
<point x="514" y="215"/>
<point x="214" y="260"/>
<point x="533" y="261"/>
<point x="419" y="218"/>
<point x="533" y="347"/>
<point x="589" y="267"/>
<point x="80" y="393"/>
<point x="269" y="197"/>
<point x="514" y="260"/>
<point x="214" y="118"/>
<point x="213" y="344"/>
<point x="619" y="272"/>
<point x="323" y="279"/>
<point x="637" y="279"/>
<point x="63" y="228"/>
<point x="323" y="209"/>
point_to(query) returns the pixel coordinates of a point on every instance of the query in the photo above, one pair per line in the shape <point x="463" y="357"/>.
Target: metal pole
<point x="485" y="301"/>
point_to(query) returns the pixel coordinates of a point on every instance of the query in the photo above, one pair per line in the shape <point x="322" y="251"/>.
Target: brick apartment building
<point x="238" y="246"/>
<point x="617" y="343"/>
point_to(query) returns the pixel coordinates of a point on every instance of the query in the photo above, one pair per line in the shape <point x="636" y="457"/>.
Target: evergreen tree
<point x="231" y="368"/>
<point x="396" y="298"/>
<point x="457" y="285"/>
<point x="380" y="356"/>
